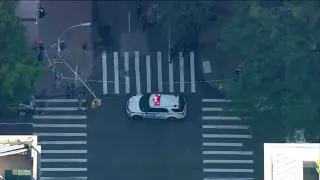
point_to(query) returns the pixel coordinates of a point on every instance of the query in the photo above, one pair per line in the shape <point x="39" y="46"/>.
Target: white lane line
<point x="181" y="68"/>
<point x="224" y="127"/>
<point x="159" y="63"/>
<point x="208" y="178"/>
<point x="216" y="100"/>
<point x="228" y="170"/>
<point x="62" y="142"/>
<point x="63" y="169"/>
<point x="223" y="144"/>
<point x="116" y="72"/>
<point x="212" y="109"/>
<point x="104" y="73"/>
<point x="129" y="22"/>
<point x="58" y="100"/>
<point x="64" y="151"/>
<point x="59" y="117"/>
<point x="63" y="160"/>
<point x="61" y="134"/>
<point x="148" y="73"/>
<point x="228" y="161"/>
<point x="126" y="68"/>
<point x="237" y="136"/>
<point x="55" y="178"/>
<point x="60" y="108"/>
<point x="137" y="68"/>
<point x="220" y="118"/>
<point x="192" y="72"/>
<point x="227" y="152"/>
<point x="59" y="125"/>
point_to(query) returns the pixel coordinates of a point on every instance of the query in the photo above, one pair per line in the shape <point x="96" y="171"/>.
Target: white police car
<point x="157" y="106"/>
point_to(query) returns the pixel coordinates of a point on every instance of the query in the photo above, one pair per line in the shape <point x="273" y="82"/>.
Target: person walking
<point x="68" y="91"/>
<point x="73" y="88"/>
<point x="80" y="98"/>
<point x="138" y="8"/>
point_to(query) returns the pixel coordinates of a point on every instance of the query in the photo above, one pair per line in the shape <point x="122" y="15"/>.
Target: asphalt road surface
<point x="120" y="148"/>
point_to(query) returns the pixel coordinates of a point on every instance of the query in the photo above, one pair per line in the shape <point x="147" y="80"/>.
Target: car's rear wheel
<point x="136" y="117"/>
<point x="172" y="119"/>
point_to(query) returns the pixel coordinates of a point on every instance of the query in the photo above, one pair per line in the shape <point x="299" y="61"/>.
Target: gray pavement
<point x="120" y="148"/>
<point x="60" y="15"/>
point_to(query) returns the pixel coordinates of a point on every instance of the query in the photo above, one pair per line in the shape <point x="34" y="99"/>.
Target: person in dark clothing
<point x="138" y="8"/>
<point x="68" y="91"/>
<point x="73" y="88"/>
<point x="79" y="101"/>
<point x="144" y="23"/>
<point x="41" y="52"/>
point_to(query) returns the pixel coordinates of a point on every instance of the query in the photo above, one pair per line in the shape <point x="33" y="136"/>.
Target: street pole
<point x="169" y="38"/>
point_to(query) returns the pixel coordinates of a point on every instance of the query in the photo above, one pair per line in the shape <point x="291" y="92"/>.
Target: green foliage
<point x="186" y="17"/>
<point x="18" y="69"/>
<point x="279" y="84"/>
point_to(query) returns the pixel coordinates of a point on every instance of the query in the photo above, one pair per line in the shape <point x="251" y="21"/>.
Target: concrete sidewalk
<point x="61" y="15"/>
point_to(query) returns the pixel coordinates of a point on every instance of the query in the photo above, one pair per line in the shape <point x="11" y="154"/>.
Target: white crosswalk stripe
<point x="137" y="72"/>
<point x="61" y="127"/>
<point x="226" y="143"/>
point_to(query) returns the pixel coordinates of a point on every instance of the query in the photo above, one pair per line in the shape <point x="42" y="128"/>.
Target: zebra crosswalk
<point x="146" y="73"/>
<point x="226" y="140"/>
<point x="61" y="129"/>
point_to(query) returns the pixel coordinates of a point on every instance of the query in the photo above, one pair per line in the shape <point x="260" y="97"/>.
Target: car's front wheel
<point x="136" y="117"/>
<point x="172" y="119"/>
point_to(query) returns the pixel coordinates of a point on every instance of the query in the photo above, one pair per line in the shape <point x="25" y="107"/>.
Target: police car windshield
<point x="144" y="103"/>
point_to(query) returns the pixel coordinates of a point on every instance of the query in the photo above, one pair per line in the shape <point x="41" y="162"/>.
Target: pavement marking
<point x="63" y="160"/>
<point x="228" y="161"/>
<point x="220" y="118"/>
<point x="137" y="68"/>
<point x="60" y="108"/>
<point x="62" y="142"/>
<point x="224" y="127"/>
<point x="104" y="73"/>
<point x="181" y="68"/>
<point x="58" y="100"/>
<point x="228" y="170"/>
<point x="126" y="68"/>
<point x="116" y="72"/>
<point x="148" y="73"/>
<point x="61" y="134"/>
<point x="192" y="72"/>
<point x="212" y="109"/>
<point x="216" y="100"/>
<point x="129" y="22"/>
<point x="226" y="178"/>
<point x="159" y="63"/>
<point x="64" y="151"/>
<point x="55" y="178"/>
<point x="63" y="169"/>
<point x="59" y="117"/>
<point x="226" y="136"/>
<point x="171" y="83"/>
<point x="227" y="152"/>
<point x="223" y="144"/>
<point x="59" y="125"/>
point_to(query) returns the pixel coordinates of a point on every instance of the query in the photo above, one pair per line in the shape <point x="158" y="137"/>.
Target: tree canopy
<point x="279" y="84"/>
<point x="186" y="17"/>
<point x="18" y="69"/>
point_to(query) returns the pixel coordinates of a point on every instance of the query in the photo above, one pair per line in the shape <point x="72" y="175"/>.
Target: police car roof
<point x="166" y="100"/>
